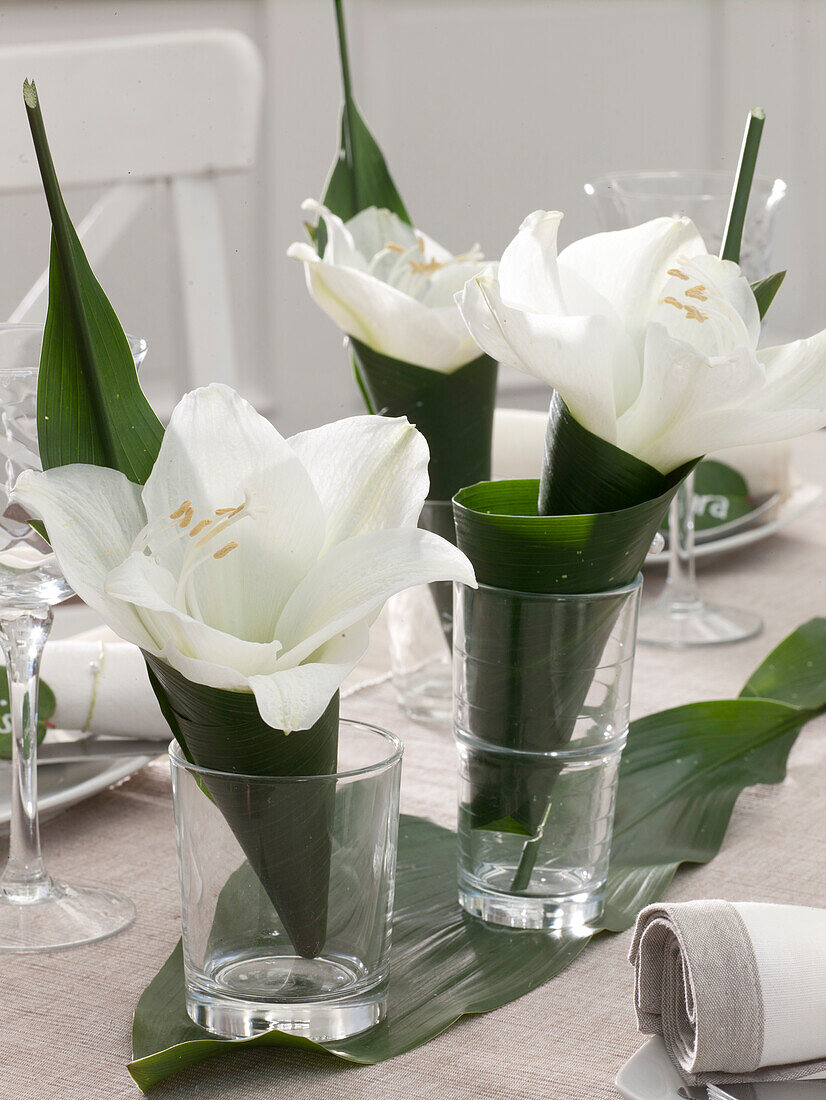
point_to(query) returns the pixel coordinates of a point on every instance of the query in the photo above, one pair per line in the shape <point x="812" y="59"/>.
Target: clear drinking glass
<point x="680" y="617"/>
<point x="541" y="708"/>
<point x="36" y="912"/>
<point x="243" y="975"/>
<point x="420" y="625"/>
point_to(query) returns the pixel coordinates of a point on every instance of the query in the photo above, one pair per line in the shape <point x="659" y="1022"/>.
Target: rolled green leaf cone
<point x="539" y="657"/>
<point x="454" y="412"/>
<point x="287" y="839"/>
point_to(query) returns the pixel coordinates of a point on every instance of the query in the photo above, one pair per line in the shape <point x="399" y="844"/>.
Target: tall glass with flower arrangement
<point x="650" y="344"/>
<point x="248" y="568"/>
<point x="391" y="288"/>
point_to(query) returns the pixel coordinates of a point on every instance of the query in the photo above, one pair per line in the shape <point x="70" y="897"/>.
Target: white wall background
<point x="486" y="110"/>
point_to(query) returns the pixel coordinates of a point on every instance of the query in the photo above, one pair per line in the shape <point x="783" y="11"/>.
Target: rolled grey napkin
<point x="736" y="989"/>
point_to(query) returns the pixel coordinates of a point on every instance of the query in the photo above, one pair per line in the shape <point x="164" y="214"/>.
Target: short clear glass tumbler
<point x="244" y="976"/>
<point x="541" y="708"/>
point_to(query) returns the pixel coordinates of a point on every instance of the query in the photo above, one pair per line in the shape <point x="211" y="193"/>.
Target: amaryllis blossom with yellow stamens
<point x="392" y="287"/>
<point x="248" y="561"/>
<point x="650" y="341"/>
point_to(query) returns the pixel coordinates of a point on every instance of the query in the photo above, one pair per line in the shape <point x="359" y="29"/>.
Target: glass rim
<point x="137" y="344"/>
<point x="609" y="593"/>
<point x="602" y="181"/>
<point x="178" y="760"/>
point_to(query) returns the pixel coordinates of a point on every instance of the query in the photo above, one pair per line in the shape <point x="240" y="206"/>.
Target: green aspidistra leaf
<point x="359" y="177"/>
<point x="764" y="291"/>
<point x="680" y="776"/>
<point x="90" y="407"/>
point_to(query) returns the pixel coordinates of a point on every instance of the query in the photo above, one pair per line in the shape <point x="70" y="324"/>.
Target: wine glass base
<point x="678" y="626"/>
<point x="68" y="916"/>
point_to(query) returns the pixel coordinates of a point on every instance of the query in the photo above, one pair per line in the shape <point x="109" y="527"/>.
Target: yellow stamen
<point x="187" y="519"/>
<point x="228" y="511"/>
<point x="677" y="273"/>
<point x="673" y="302"/>
<point x="391" y="246"/>
<point x="697" y="292"/>
<point x="199" y="526"/>
<point x="227" y="549"/>
<point x="425" y="267"/>
<point x="181" y="510"/>
<point x="693" y="314"/>
<point x="421" y="245"/>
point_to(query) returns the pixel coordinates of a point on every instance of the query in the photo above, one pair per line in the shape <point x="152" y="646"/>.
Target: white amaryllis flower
<point x="391" y="287"/>
<point x="649" y="339"/>
<point x="248" y="561"/>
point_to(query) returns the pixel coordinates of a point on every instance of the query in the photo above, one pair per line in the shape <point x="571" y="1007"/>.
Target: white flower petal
<point x="369" y="471"/>
<point x="340" y="247"/>
<point x="702" y="304"/>
<point x="373" y="229"/>
<point x="528" y="274"/>
<point x="92" y="515"/>
<point x="681" y="396"/>
<point x="584" y="358"/>
<point x="146" y="585"/>
<point x="293" y="699"/>
<point x="720" y="429"/>
<point x="795" y="375"/>
<point x="218" y="452"/>
<point x="353" y="580"/>
<point x="388" y="320"/>
<point x="443" y="285"/>
<point x="629" y="267"/>
<point x="727" y="280"/>
<point x="203" y="672"/>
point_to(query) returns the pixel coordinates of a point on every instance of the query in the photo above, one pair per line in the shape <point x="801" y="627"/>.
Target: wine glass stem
<point x="23" y="634"/>
<point x="681" y="586"/>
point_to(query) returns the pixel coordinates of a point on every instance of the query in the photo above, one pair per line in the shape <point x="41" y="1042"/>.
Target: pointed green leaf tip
<point x="733" y="233"/>
<point x="90" y="407"/>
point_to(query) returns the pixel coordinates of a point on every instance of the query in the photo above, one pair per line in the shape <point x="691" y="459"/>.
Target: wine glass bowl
<point x="680" y="617"/>
<point x="623" y="199"/>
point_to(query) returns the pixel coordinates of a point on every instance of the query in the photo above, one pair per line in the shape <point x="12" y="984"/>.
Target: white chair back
<point x="133" y="114"/>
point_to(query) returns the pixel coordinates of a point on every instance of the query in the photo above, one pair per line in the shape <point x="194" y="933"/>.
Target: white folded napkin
<point x="737" y="990"/>
<point x="102" y="687"/>
<point x="518" y="443"/>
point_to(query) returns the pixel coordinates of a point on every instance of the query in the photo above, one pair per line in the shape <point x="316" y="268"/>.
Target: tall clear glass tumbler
<point x="420" y="625"/>
<point x="37" y="913"/>
<point x="680" y="617"/>
<point x="243" y="975"/>
<point x="542" y="690"/>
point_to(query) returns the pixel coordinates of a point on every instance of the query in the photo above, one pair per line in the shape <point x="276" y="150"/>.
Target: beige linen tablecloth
<point x="65" y="1018"/>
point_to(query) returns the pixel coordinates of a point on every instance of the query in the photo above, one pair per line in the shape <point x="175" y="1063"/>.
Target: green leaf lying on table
<point x="680" y="777"/>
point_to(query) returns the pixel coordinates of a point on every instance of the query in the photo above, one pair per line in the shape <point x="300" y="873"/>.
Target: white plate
<point x="797" y="504"/>
<point x="649" y="1075"/>
<point x="756" y="515"/>
<point x="62" y="785"/>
